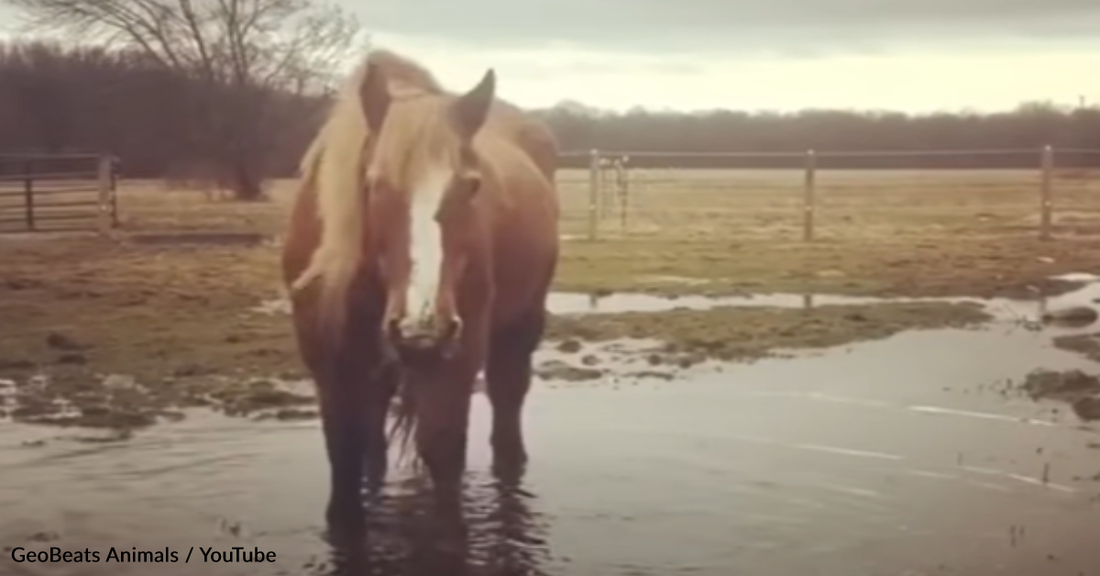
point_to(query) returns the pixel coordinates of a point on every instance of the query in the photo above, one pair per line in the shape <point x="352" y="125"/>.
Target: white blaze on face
<point x="425" y="247"/>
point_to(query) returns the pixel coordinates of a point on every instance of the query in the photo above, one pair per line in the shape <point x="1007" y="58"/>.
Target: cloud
<point x="760" y="26"/>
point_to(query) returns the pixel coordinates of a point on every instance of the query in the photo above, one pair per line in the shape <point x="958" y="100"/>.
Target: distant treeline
<point x="57" y="99"/>
<point x="81" y="99"/>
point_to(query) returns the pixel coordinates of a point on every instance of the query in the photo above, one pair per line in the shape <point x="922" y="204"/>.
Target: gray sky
<point x="776" y="26"/>
<point x="916" y="55"/>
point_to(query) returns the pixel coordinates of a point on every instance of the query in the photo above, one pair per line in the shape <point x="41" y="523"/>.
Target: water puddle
<point x="913" y="454"/>
<point x="574" y="303"/>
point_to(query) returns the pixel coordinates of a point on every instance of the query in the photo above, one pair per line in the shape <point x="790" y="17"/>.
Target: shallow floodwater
<point x="901" y="456"/>
<point x="577" y="303"/>
<point x="571" y="303"/>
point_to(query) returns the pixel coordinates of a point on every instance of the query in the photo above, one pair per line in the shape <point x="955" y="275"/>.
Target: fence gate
<point x="57" y="192"/>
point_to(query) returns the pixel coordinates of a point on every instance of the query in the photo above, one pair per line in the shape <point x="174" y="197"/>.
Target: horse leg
<point x="343" y="423"/>
<point x="441" y="401"/>
<point x="376" y="461"/>
<point x="507" y="379"/>
<point x="353" y="401"/>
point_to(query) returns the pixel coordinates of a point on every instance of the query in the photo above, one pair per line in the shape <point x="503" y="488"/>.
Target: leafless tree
<point x="243" y="56"/>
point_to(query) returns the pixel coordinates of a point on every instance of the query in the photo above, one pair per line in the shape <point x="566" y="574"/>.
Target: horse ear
<point x="471" y="109"/>
<point x="374" y="97"/>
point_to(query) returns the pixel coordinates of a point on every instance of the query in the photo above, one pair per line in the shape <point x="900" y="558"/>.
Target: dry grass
<point x="176" y="317"/>
<point x="886" y="233"/>
<point x="901" y="233"/>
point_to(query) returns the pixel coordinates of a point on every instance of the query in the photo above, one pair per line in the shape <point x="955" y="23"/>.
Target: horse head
<point x="422" y="176"/>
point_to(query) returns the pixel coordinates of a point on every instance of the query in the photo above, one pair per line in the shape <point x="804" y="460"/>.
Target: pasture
<point x="700" y="279"/>
<point x="179" y="291"/>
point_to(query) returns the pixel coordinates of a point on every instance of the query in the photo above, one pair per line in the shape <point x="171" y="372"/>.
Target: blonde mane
<point x="334" y="167"/>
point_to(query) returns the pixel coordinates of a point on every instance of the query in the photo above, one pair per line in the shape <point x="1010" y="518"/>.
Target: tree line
<point x="56" y="99"/>
<point x="157" y="119"/>
<point x="216" y="90"/>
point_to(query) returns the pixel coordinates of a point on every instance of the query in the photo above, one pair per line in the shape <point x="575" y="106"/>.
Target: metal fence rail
<point x="57" y="192"/>
<point x="610" y="172"/>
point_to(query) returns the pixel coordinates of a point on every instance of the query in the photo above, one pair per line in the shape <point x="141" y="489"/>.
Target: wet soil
<point x="1080" y="390"/>
<point x="693" y="336"/>
<point x="183" y="326"/>
<point x="115" y="375"/>
<point x="1087" y="345"/>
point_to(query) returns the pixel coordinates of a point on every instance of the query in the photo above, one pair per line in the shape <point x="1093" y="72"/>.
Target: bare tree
<point x="243" y="55"/>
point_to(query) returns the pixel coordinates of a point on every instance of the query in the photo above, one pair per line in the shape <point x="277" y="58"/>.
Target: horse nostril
<point x="454" y="328"/>
<point x="393" y="329"/>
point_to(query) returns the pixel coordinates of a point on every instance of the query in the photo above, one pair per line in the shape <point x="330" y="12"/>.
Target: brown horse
<point x="420" y="252"/>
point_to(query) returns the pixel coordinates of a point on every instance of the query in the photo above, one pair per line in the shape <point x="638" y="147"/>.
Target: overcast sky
<point x="766" y="54"/>
<point x="780" y="54"/>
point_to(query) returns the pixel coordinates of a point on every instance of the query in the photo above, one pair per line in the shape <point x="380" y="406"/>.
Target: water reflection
<point x="573" y="303"/>
<point x="898" y="455"/>
<point x="498" y="534"/>
<point x="1034" y="306"/>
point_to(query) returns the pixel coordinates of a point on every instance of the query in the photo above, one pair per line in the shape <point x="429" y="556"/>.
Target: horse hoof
<point x="509" y="471"/>
<point x="346" y="522"/>
<point x="509" y="459"/>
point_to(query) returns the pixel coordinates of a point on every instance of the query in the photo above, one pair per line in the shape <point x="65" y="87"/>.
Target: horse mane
<point x="333" y="169"/>
<point x="401" y="70"/>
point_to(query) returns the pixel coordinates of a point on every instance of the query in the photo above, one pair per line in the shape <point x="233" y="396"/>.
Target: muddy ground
<point x="905" y="455"/>
<point x="116" y="333"/>
<point x="119" y="332"/>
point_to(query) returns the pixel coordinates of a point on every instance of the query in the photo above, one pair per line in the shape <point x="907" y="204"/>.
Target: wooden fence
<point x="58" y="192"/>
<point x="610" y="173"/>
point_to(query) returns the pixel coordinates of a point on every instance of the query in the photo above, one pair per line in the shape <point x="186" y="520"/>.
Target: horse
<point x="418" y="256"/>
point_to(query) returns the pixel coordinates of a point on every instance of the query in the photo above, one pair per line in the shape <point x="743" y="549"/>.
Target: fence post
<point x="808" y="200"/>
<point x="593" y="193"/>
<point x="105" y="170"/>
<point x="114" y="191"/>
<point x="28" y="193"/>
<point x="623" y="189"/>
<point x="1047" y="163"/>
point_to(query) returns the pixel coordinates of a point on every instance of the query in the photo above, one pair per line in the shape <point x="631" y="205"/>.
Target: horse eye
<point x="468" y="186"/>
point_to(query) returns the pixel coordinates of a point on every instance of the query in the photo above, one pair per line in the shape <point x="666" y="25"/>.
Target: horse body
<point x="420" y="252"/>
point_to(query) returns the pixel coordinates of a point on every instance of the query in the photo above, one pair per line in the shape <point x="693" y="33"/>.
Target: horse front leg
<point x="508" y="379"/>
<point x="343" y="419"/>
<point x="436" y="409"/>
<point x="375" y="456"/>
<point x="354" y="396"/>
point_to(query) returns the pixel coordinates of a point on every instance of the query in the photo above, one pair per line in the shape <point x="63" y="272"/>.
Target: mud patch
<point x="1087" y="345"/>
<point x="563" y="371"/>
<point x="1080" y="390"/>
<point x="120" y="402"/>
<point x="171" y="320"/>
<point x="688" y="337"/>
<point x="1075" y="317"/>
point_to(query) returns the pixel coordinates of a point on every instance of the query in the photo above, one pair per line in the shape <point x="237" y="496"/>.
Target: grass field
<point x="177" y="318"/>
<point x="964" y="232"/>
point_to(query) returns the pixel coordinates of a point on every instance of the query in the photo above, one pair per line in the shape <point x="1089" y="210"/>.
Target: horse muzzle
<point x="438" y="337"/>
